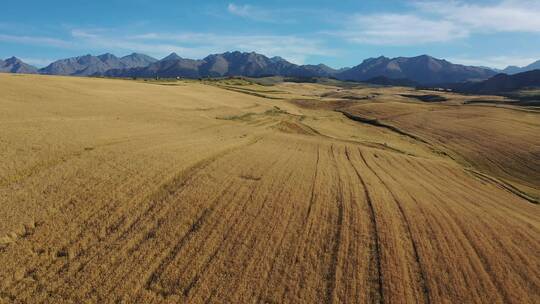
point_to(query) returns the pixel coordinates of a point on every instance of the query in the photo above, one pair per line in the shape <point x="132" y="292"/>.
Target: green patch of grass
<point x="275" y="111"/>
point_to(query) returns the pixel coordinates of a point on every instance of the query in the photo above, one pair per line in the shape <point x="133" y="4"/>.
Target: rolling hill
<point x="385" y="81"/>
<point x="502" y="83"/>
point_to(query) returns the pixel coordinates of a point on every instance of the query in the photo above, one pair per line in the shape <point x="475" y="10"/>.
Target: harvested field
<point x="502" y="142"/>
<point x="115" y="191"/>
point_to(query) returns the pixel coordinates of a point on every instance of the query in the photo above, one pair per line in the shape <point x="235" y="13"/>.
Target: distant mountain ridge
<point x="15" y="65"/>
<point x="422" y="69"/>
<point x="226" y="64"/>
<point x="515" y="70"/>
<point x="89" y="65"/>
<point x="406" y="70"/>
<point x="501" y="83"/>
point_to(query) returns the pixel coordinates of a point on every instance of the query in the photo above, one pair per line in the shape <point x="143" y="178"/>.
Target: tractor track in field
<point x="312" y="197"/>
<point x="504" y="185"/>
<point x="226" y="235"/>
<point x="377" y="246"/>
<point x="377" y="123"/>
<point x="180" y="184"/>
<point x="338" y="234"/>
<point x="420" y="267"/>
<point x="175" y="186"/>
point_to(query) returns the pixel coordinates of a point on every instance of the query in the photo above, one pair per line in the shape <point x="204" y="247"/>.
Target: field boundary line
<point x="505" y="185"/>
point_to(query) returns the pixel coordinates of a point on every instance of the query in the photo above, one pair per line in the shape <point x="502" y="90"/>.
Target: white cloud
<point x="505" y="16"/>
<point x="251" y="12"/>
<point x="38" y="62"/>
<point x="36" y="40"/>
<point x="240" y="10"/>
<point x="78" y="33"/>
<point x="257" y="13"/>
<point x="442" y="21"/>
<point x="499" y="62"/>
<point x="396" y="29"/>
<point x="186" y="44"/>
<point x="112" y="42"/>
<point x="427" y="21"/>
<point x="198" y="45"/>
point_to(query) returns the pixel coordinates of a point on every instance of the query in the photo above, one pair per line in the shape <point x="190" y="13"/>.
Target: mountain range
<point x="424" y="69"/>
<point x="89" y="65"/>
<point x="421" y="69"/>
<point x="514" y="69"/>
<point x="226" y="64"/>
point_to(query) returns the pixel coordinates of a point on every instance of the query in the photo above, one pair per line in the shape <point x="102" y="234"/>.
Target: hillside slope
<point x="502" y="83"/>
<point x="201" y="192"/>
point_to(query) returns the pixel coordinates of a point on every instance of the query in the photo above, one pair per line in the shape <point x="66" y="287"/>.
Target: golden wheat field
<point x="121" y="191"/>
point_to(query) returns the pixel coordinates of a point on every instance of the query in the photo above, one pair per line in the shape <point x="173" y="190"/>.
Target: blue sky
<point x="339" y="33"/>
